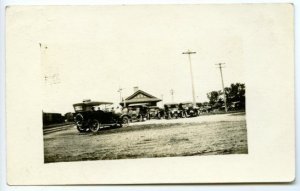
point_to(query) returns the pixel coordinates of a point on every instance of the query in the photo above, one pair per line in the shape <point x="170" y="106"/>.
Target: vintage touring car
<point x="172" y="111"/>
<point x="155" y="112"/>
<point x="189" y="110"/>
<point x="93" y="116"/>
<point x="137" y="112"/>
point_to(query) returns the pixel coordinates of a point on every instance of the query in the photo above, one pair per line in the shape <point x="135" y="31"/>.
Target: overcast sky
<point x="96" y="50"/>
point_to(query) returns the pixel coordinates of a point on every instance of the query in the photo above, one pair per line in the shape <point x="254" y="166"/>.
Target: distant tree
<point x="69" y="116"/>
<point x="235" y="95"/>
<point x="205" y="103"/>
<point x="213" y="97"/>
<point x="199" y="104"/>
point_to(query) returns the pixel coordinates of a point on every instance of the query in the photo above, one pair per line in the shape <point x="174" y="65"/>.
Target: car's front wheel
<point x="158" y="116"/>
<point x="183" y="114"/>
<point x="140" y="118"/>
<point x="125" y="121"/>
<point x="187" y="114"/>
<point x="175" y="116"/>
<point x="94" y="125"/>
<point x="81" y="129"/>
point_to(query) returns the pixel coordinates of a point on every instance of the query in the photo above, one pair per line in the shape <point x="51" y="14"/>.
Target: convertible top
<point x="187" y="102"/>
<point x="138" y="104"/>
<point x="92" y="103"/>
<point x="153" y="107"/>
<point x="171" y="103"/>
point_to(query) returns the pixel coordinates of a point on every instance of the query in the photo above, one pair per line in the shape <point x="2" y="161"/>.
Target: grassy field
<point x="204" y="135"/>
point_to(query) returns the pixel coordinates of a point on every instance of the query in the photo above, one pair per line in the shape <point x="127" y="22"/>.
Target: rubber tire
<point x="80" y="129"/>
<point x="94" y="129"/>
<point x="140" y="118"/>
<point x="76" y="119"/>
<point x="126" y="124"/>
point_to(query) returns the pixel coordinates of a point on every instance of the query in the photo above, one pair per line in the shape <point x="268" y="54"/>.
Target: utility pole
<point x="51" y="77"/>
<point x="172" y="94"/>
<point x="224" y="94"/>
<point x="121" y="97"/>
<point x="192" y="77"/>
<point x="120" y="92"/>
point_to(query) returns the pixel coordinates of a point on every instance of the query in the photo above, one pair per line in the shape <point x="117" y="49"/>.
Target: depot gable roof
<point x="140" y="94"/>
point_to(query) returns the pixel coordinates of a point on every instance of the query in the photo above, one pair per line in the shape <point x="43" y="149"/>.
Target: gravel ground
<point x="203" y="135"/>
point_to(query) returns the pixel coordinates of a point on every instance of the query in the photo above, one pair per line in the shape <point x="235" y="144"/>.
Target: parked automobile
<point x="236" y="105"/>
<point x="155" y="112"/>
<point x="94" y="115"/>
<point x="204" y="108"/>
<point x="189" y="110"/>
<point x="172" y="111"/>
<point x="137" y="112"/>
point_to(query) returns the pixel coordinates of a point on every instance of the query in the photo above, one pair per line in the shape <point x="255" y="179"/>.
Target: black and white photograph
<point x="150" y="94"/>
<point x="139" y="85"/>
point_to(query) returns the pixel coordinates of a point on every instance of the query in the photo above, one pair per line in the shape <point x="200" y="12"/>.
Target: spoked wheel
<point x="94" y="125"/>
<point x="158" y="116"/>
<point x="169" y="116"/>
<point x="175" y="116"/>
<point x="140" y="118"/>
<point x="81" y="129"/>
<point x="187" y="115"/>
<point x="125" y="121"/>
<point x="79" y="122"/>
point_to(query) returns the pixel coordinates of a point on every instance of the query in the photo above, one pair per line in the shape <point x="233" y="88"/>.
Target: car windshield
<point x="187" y="105"/>
<point x="78" y="108"/>
<point x="133" y="108"/>
<point x="103" y="107"/>
<point x="85" y="108"/>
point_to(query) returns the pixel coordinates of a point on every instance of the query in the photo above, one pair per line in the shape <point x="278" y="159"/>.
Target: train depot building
<point x="140" y="97"/>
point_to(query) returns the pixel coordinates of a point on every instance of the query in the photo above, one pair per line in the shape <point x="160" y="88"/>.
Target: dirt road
<point x="203" y="135"/>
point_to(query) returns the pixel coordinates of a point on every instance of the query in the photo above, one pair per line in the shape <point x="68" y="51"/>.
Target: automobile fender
<point x="121" y="116"/>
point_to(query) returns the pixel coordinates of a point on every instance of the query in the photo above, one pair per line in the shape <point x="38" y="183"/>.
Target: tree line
<point x="235" y="98"/>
